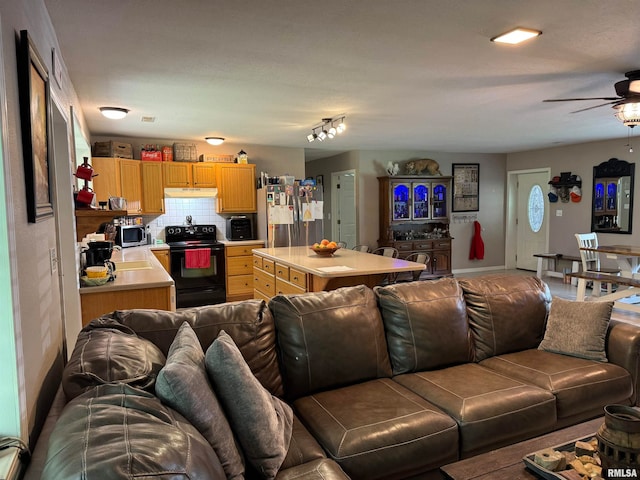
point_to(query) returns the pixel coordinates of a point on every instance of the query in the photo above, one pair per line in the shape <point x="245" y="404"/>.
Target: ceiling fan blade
<point x="576" y="99"/>
<point x="595" y="106"/>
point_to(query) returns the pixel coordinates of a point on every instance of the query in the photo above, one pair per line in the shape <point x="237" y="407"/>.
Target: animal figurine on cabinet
<point x="392" y="168"/>
<point x="416" y="167"/>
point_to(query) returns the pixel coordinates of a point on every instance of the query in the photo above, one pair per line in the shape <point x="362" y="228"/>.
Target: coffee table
<point x="506" y="463"/>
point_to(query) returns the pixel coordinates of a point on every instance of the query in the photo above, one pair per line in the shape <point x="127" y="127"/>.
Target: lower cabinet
<point x="239" y="270"/>
<point x="163" y="256"/>
<point x="439" y="251"/>
<point x="271" y="278"/>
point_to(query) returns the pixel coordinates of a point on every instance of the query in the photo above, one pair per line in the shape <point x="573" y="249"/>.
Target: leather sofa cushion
<point x="507" y="313"/>
<point x="322" y="469"/>
<point x="579" y="385"/>
<point x="426" y="325"/>
<point x="249" y="323"/>
<point x="303" y="447"/>
<point x="117" y="432"/>
<point x="379" y="429"/>
<point x="110" y="353"/>
<point x="491" y="409"/>
<point x="329" y="339"/>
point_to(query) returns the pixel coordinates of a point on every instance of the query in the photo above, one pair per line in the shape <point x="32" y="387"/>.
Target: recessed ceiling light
<point x="517" y="35"/>
<point x="214" y="140"/>
<point x="114" y="113"/>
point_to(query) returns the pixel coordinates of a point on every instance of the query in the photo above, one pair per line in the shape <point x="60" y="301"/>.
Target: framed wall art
<point x="35" y="117"/>
<point x="466" y="187"/>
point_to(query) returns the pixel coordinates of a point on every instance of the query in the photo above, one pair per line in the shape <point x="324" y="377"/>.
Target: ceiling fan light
<point x="214" y="140"/>
<point x="634" y="86"/>
<point x="516" y="36"/>
<point x="628" y="113"/>
<point x="114" y="113"/>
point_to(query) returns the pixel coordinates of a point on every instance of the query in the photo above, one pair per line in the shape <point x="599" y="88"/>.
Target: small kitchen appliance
<point x="240" y="227"/>
<point x="131" y="235"/>
<point x="97" y="253"/>
<point x="197" y="265"/>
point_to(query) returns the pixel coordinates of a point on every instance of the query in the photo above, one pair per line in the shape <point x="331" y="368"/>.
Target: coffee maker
<point x="97" y="253"/>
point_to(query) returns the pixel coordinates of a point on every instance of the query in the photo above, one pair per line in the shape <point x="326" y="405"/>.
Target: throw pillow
<point x="577" y="329"/>
<point x="184" y="386"/>
<point x="263" y="423"/>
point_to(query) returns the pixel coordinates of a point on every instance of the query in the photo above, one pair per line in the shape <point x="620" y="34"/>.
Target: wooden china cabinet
<point x="414" y="217"/>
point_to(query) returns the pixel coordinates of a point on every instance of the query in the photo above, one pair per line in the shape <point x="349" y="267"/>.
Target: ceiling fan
<point x="627" y="101"/>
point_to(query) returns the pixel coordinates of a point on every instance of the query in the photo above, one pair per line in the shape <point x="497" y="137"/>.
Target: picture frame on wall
<point x="35" y="119"/>
<point x="466" y="187"/>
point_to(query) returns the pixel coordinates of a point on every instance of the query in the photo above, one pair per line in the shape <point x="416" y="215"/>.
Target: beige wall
<point x="576" y="217"/>
<point x="37" y="314"/>
<point x="372" y="164"/>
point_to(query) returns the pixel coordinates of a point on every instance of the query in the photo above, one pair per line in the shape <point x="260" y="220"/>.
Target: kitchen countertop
<point x="231" y="243"/>
<point x="137" y="279"/>
<point x="344" y="263"/>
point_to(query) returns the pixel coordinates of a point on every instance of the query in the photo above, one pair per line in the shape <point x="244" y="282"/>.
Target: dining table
<point x="628" y="259"/>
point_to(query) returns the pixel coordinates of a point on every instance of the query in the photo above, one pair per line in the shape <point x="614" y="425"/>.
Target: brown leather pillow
<point x="111" y="355"/>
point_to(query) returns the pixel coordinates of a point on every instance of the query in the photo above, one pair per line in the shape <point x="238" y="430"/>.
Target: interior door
<point x="532" y="219"/>
<point x="344" y="203"/>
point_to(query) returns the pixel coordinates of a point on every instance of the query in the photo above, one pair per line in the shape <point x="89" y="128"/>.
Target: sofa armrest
<point x="623" y="349"/>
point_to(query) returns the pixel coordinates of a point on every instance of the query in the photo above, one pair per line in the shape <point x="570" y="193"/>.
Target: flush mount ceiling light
<point x="214" y="140"/>
<point x="114" y="113"/>
<point x="517" y="35"/>
<point x="328" y="129"/>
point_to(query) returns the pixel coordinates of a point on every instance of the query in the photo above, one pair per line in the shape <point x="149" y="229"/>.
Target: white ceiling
<point x="408" y="74"/>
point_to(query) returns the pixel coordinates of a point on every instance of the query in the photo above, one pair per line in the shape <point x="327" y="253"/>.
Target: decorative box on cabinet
<point x="414" y="217"/>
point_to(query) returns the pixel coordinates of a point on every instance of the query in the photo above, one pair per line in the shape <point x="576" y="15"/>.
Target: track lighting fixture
<point x="327" y="129"/>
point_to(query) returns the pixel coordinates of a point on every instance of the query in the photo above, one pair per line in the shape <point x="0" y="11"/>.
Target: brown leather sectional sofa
<point x="384" y="384"/>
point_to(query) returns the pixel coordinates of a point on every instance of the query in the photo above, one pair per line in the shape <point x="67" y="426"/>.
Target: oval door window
<point x="535" y="208"/>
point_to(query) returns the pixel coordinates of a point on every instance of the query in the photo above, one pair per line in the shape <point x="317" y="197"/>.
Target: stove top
<point x="191" y="235"/>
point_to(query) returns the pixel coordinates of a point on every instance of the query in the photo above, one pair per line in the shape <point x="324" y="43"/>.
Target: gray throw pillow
<point x="184" y="386"/>
<point x="577" y="329"/>
<point x="263" y="423"/>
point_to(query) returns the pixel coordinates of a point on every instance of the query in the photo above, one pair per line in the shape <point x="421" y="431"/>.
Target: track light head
<point x="311" y="137"/>
<point x="322" y="135"/>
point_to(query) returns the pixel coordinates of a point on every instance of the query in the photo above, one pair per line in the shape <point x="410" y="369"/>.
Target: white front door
<point x="344" y="207"/>
<point x="531" y="220"/>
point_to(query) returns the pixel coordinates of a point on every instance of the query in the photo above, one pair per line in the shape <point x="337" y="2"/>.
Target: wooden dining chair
<point x="591" y="259"/>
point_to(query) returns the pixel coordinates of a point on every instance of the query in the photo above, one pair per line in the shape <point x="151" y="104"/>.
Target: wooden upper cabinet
<point x="152" y="187"/>
<point x="106" y="183"/>
<point x="131" y="183"/>
<point x="236" y="188"/>
<point x="204" y="175"/>
<point x="177" y="174"/>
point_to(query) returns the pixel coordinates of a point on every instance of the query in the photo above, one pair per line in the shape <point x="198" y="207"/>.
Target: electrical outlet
<point x="558" y="213"/>
<point x="159" y="222"/>
<point x="53" y="260"/>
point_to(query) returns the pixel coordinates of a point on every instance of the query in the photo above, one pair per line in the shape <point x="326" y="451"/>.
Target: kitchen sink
<point x="132" y="265"/>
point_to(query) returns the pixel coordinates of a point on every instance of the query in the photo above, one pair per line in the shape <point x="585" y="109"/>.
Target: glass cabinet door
<point x="612" y="196"/>
<point x="439" y="201"/>
<point x="420" y="200"/>
<point x="599" y="197"/>
<point x="401" y="204"/>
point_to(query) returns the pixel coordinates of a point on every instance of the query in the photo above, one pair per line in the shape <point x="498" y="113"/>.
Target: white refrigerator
<point x="291" y="215"/>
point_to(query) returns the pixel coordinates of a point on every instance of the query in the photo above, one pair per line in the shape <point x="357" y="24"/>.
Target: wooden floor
<point x="560" y="289"/>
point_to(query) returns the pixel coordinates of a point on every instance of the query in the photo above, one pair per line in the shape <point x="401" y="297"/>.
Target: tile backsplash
<point x="202" y="210"/>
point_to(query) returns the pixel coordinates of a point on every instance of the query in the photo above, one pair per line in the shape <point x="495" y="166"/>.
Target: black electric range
<point x="197" y="265"/>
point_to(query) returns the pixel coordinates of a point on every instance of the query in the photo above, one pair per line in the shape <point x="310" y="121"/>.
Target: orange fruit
<point x="332" y="245"/>
<point x="324" y="242"/>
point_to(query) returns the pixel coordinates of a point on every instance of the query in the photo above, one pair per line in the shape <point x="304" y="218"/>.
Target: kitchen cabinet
<point x="189" y="175"/>
<point x="152" y="187"/>
<point x="236" y="188"/>
<point x="239" y="270"/>
<point x="204" y="175"/>
<point x="163" y="257"/>
<point x="118" y="177"/>
<point x="131" y="182"/>
<point x="414" y="217"/>
<point x="274" y="278"/>
<point x="177" y="174"/>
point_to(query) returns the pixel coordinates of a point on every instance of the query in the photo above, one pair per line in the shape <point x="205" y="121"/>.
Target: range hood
<point x="190" y="192"/>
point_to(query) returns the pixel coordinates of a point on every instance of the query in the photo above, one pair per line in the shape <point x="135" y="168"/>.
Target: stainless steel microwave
<point x="131" y="235"/>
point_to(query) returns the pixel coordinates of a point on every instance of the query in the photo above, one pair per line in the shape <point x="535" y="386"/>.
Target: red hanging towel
<point x="477" y="245"/>
<point x="197" y="258"/>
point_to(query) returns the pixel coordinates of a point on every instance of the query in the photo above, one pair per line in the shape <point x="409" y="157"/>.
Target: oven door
<point x="198" y="286"/>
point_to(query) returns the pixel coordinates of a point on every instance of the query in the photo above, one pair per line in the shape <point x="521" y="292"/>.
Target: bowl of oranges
<point x="325" y="248"/>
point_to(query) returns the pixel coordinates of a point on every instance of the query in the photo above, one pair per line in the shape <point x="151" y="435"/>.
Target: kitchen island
<point x="285" y="270"/>
<point x="141" y="282"/>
